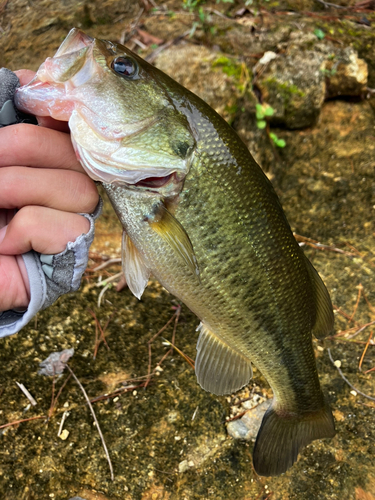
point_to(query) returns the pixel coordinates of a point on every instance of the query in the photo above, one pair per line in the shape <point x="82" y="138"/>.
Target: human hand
<point x="43" y="187"/>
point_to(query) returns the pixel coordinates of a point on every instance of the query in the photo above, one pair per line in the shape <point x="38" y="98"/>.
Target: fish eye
<point x="125" y="66"/>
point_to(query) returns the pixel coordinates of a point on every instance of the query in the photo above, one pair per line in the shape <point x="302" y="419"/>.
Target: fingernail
<point x="3" y="231"/>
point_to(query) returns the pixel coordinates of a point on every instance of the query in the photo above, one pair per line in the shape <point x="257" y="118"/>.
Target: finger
<point x="13" y="279"/>
<point x="44" y="230"/>
<point x="25" y="75"/>
<point x="27" y="145"/>
<point x="64" y="190"/>
<point x="6" y="216"/>
<point x="48" y="122"/>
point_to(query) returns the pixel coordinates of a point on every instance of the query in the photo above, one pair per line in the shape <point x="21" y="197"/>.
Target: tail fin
<point x="282" y="435"/>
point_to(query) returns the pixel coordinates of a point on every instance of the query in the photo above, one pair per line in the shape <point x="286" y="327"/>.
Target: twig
<point x="50" y="411"/>
<point x="109" y="280"/>
<point x="109" y="262"/>
<point x="27" y="394"/>
<point x="102" y="331"/>
<point x="361" y="329"/>
<point x="151" y="58"/>
<point x="20" y="421"/>
<point x="368" y="302"/>
<point x="58" y="394"/>
<point x="125" y="37"/>
<point x="328" y="4"/>
<point x="319" y="246"/>
<point x="236" y="417"/>
<point x="108" y="285"/>
<point x="360" y="288"/>
<point x="346" y="380"/>
<point x="63" y="418"/>
<point x="116" y="392"/>
<point x="149" y="348"/>
<point x="343" y="313"/>
<point x="96" y="420"/>
<point x="364" y="352"/>
<point x="186" y="358"/>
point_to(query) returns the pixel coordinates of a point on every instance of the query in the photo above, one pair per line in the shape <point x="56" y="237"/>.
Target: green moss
<point x="229" y="66"/>
<point x="284" y="88"/>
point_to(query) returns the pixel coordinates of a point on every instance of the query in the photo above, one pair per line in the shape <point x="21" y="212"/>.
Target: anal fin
<point x="219" y="368"/>
<point x="135" y="271"/>
<point x="324" y="322"/>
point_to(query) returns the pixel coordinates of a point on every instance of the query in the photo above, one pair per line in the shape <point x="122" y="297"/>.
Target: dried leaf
<point x="55" y="363"/>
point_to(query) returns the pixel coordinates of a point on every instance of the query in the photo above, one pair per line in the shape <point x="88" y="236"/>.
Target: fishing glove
<point x="49" y="275"/>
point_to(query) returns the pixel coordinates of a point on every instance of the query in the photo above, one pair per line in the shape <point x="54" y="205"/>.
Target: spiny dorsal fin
<point x="282" y="435"/>
<point x="324" y="322"/>
<point x="176" y="237"/>
<point x="135" y="271"/>
<point x="218" y="367"/>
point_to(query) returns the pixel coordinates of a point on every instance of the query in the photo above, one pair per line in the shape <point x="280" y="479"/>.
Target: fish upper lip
<point x="75" y="39"/>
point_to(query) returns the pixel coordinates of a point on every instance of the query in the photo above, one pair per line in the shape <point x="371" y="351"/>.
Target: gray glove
<point x="49" y="275"/>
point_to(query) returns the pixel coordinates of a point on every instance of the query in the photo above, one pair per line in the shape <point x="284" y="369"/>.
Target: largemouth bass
<point x="201" y="216"/>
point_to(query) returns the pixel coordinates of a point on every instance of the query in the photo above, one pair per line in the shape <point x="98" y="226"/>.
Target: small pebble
<point x="64" y="434"/>
<point x="337" y="363"/>
<point x="353" y="393"/>
<point x="183" y="466"/>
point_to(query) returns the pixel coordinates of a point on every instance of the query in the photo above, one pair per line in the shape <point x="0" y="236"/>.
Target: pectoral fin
<point x="135" y="271"/>
<point x="173" y="233"/>
<point x="324" y="311"/>
<point x="219" y="368"/>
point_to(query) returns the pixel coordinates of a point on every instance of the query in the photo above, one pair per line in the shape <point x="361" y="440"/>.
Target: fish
<point x="200" y="215"/>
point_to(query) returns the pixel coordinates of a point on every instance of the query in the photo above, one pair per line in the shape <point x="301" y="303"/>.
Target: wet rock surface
<point x="170" y="441"/>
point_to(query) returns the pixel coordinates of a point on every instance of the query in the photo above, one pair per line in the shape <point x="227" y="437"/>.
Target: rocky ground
<point x="314" y="66"/>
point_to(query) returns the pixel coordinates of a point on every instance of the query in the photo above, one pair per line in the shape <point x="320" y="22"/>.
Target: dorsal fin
<point x="219" y="368"/>
<point x="324" y="322"/>
<point x="135" y="271"/>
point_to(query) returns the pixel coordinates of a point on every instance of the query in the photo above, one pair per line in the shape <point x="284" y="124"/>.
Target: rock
<point x="183" y="466"/>
<point x="247" y="427"/>
<point x="305" y="72"/>
<point x="222" y="80"/>
<point x="346" y="74"/>
<point x="293" y="85"/>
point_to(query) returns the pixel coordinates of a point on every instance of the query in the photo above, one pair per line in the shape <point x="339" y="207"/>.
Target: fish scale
<point x="201" y="216"/>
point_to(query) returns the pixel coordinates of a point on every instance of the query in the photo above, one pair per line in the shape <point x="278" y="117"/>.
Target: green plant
<point x="329" y="72"/>
<point x="278" y="142"/>
<point x="262" y="112"/>
<point x="319" y="34"/>
<point x="190" y="5"/>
